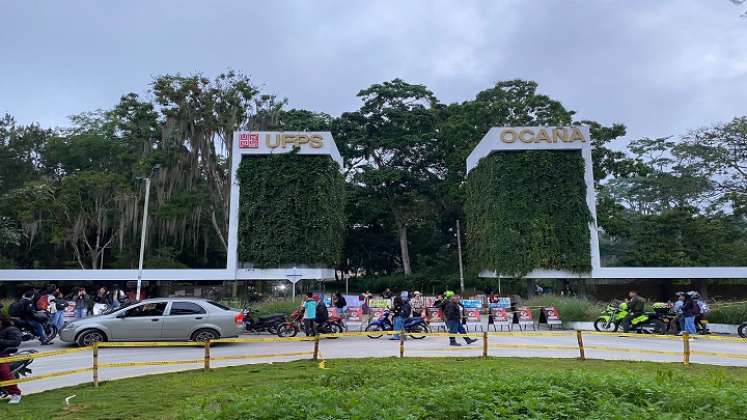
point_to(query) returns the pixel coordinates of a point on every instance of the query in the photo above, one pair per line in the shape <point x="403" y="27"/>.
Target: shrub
<point x="728" y="313"/>
<point x="571" y="308"/>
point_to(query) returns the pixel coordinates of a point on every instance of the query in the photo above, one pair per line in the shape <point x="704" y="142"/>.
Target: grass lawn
<point x="445" y="388"/>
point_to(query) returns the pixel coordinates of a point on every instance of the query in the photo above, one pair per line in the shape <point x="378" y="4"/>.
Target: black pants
<point x="309" y="327"/>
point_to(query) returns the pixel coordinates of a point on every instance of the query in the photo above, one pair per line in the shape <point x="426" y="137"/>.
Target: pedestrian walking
<point x="10" y="340"/>
<point x="453" y="315"/>
<point x="340" y="303"/>
<point x="309" y="315"/>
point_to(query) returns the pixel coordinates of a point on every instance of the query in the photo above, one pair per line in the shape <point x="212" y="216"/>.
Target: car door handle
<point x="199" y="317"/>
<point x="154" y="320"/>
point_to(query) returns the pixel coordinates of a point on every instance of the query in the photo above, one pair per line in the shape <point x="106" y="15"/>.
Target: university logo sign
<point x="249" y="141"/>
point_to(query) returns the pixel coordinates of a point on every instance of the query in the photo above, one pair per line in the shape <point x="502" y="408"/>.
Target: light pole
<point x="143" y="233"/>
<point x="459" y="250"/>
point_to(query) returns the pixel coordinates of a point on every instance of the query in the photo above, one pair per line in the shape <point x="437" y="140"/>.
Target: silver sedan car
<point x="158" y="320"/>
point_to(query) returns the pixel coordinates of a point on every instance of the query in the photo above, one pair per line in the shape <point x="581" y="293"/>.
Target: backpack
<point x="42" y="303"/>
<point x="342" y="302"/>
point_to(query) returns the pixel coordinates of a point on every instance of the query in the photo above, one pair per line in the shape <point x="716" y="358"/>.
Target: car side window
<point x="147" y="309"/>
<point x="186" y="308"/>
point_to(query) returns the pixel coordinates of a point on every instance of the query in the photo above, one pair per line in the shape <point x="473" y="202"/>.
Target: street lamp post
<point x="142" y="239"/>
<point x="143" y="234"/>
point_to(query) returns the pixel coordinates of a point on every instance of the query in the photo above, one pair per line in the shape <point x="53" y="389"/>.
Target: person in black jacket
<point x="453" y="315"/>
<point x="10" y="339"/>
<point x="25" y="309"/>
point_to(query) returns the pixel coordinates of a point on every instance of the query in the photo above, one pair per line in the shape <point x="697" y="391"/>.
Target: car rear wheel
<point x="88" y="337"/>
<point x="205" y="334"/>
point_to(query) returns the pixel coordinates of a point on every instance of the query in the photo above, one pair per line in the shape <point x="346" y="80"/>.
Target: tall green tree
<point x="391" y="152"/>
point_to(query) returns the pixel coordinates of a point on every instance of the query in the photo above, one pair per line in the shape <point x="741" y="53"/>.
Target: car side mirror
<point x="121" y="315"/>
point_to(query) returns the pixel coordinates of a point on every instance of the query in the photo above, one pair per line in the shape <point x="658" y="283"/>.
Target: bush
<point x="571" y="308"/>
<point x="275" y="306"/>
<point x="728" y="313"/>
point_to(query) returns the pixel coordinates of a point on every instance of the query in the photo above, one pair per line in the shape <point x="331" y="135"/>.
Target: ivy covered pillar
<point x="287" y="206"/>
<point x="530" y="204"/>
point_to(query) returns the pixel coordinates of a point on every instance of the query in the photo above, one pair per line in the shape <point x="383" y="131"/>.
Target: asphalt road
<point x="610" y="347"/>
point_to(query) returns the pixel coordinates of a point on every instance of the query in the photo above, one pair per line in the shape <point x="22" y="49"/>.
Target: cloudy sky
<point x="659" y="67"/>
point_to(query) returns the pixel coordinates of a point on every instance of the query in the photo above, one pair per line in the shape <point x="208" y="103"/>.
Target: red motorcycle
<point x="294" y="324"/>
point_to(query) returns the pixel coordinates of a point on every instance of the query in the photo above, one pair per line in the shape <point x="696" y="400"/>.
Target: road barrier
<point x="580" y="346"/>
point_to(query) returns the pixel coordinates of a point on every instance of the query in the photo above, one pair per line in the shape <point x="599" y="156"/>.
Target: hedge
<point x="527" y="210"/>
<point x="291" y="211"/>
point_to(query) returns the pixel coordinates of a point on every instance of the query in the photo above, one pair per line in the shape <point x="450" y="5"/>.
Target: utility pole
<point x="459" y="249"/>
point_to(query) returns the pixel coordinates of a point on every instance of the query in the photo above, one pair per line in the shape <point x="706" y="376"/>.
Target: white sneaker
<point x="15" y="399"/>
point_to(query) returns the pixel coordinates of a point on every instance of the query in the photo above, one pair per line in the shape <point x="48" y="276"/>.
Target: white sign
<point x="272" y="142"/>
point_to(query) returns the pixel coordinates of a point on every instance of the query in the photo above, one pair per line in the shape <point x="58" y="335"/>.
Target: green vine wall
<point x="291" y="210"/>
<point x="527" y="210"/>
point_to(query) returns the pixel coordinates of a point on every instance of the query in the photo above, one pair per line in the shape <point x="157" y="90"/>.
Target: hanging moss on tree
<point x="527" y="210"/>
<point x="291" y="211"/>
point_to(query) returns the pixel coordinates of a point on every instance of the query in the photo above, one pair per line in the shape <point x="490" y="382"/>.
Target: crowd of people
<point x="404" y="306"/>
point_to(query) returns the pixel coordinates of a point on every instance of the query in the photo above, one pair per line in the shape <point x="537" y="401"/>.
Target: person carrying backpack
<point x="322" y="314"/>
<point x="340" y="304"/>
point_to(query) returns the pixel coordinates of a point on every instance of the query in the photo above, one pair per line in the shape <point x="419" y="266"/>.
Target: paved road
<point x="598" y="347"/>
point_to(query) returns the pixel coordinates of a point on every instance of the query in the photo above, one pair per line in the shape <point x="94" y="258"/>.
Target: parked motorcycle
<point x="412" y="327"/>
<point x="294" y="324"/>
<point x="269" y="323"/>
<point x="613" y="316"/>
<point x="19" y="369"/>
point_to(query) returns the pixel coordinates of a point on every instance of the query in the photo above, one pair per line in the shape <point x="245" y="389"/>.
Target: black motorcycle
<point x="29" y="333"/>
<point x="269" y="323"/>
<point x="20" y="368"/>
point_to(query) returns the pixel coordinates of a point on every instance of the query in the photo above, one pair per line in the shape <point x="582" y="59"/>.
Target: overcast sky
<point x="659" y="67"/>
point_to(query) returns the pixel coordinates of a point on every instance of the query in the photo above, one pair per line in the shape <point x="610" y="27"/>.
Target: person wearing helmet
<point x="635" y="308"/>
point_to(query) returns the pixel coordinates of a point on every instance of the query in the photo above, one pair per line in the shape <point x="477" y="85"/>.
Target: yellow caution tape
<point x="151" y="363"/>
<point x="261" y="356"/>
<point x="261" y="340"/>
<point x="532" y="347"/>
<point x="532" y="334"/>
<point x="44" y="354"/>
<point x="718" y="338"/>
<point x="151" y="344"/>
<point x="632" y="335"/>
<point x="628" y="350"/>
<point x="46" y="376"/>
<point x="719" y="354"/>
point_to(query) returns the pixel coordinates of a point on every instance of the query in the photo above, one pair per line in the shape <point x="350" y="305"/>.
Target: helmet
<point x="416" y="293"/>
<point x="680" y="293"/>
<point x="449" y="294"/>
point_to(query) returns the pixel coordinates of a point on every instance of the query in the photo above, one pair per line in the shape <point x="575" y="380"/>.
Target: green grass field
<point x="452" y="388"/>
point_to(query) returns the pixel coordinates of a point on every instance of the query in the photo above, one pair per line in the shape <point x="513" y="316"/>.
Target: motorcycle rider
<point x="10" y="338"/>
<point x="635" y="308"/>
<point x="402" y="310"/>
<point x="679" y="319"/>
<point x="24" y="310"/>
